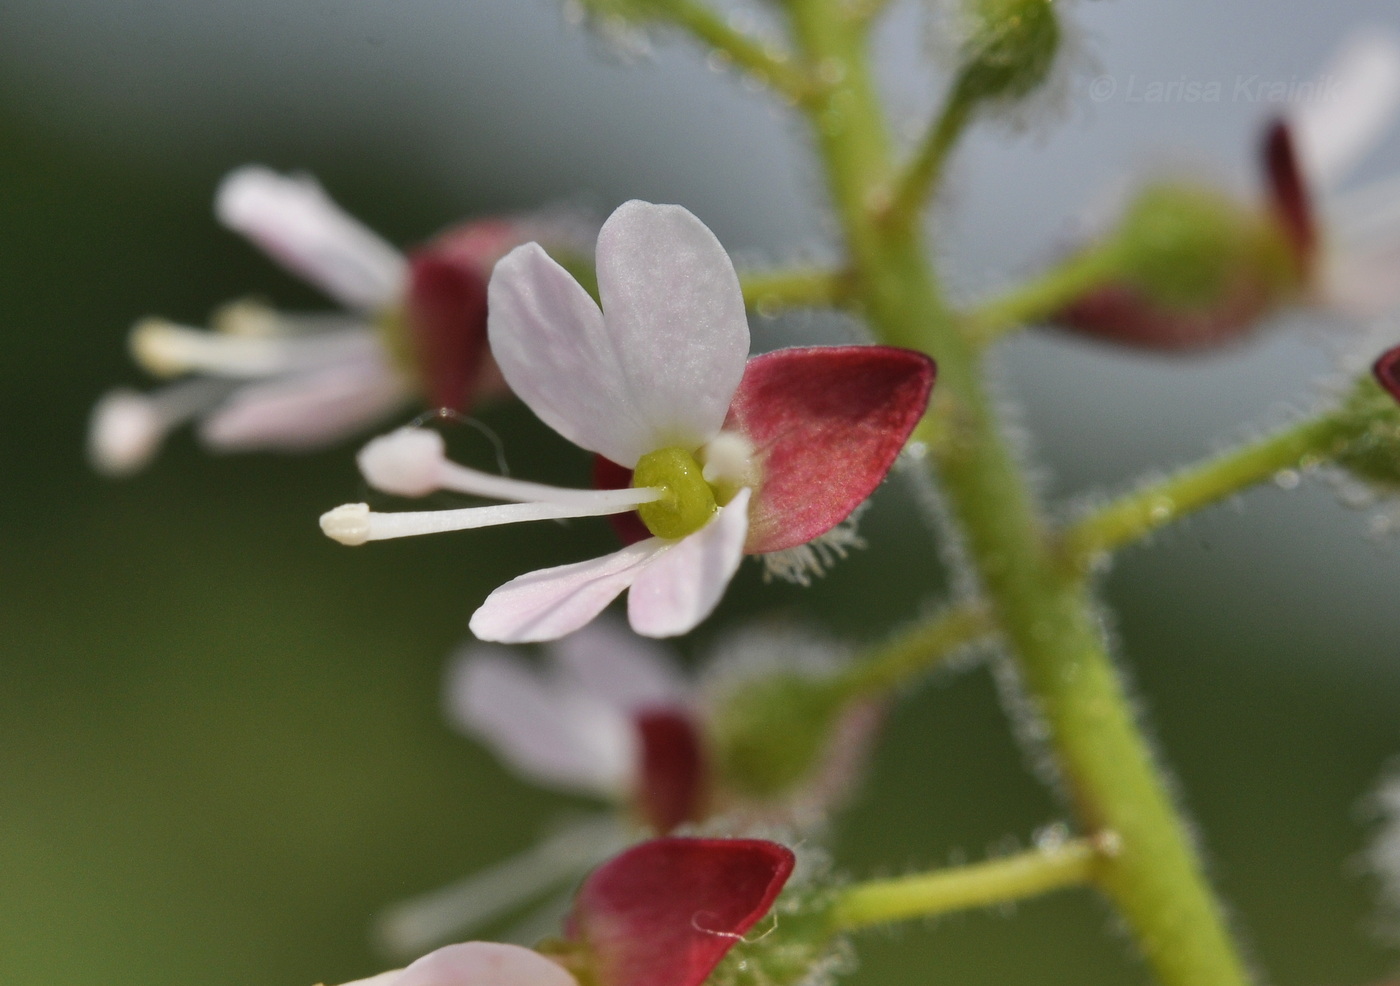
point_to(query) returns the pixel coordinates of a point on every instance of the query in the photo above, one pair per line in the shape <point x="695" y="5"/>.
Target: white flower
<point x="476" y="963"/>
<point x="1358" y="267"/>
<point x="726" y="455"/>
<point x="414" y="326"/>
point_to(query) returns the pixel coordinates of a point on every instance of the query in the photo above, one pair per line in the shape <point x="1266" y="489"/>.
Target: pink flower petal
<point x="610" y="662"/>
<point x="554" y="351"/>
<point x="677" y="590"/>
<point x="1359" y="98"/>
<point x="305" y="410"/>
<point x="676" y="320"/>
<point x="446" y="311"/>
<point x="295" y="222"/>
<point x="479" y="963"/>
<point x="665" y="912"/>
<point x="673" y="770"/>
<point x="544" y="729"/>
<point x="551" y="602"/>
<point x="826" y="423"/>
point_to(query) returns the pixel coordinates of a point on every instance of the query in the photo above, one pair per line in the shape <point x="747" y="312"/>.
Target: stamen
<point x="355" y="523"/>
<point x="127" y="427"/>
<point x="728" y="465"/>
<point x="413" y="462"/>
<point x="167" y="349"/>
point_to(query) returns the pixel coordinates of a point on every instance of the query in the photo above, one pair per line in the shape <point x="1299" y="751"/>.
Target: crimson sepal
<point x="608" y="475"/>
<point x="1124" y="314"/>
<point x="1288" y="192"/>
<point x="826" y="423"/>
<point x="665" y="913"/>
<point x="446" y="314"/>
<point x="673" y="775"/>
<point x="1387" y="371"/>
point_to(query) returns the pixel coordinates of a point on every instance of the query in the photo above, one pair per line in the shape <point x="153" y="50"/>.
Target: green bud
<point x="1373" y="417"/>
<point x="770" y="733"/>
<point x="688" y="503"/>
<point x="1010" y="48"/>
<point x="1189" y="248"/>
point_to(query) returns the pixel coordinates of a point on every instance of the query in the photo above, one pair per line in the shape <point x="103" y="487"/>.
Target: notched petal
<point x="826" y="423"/>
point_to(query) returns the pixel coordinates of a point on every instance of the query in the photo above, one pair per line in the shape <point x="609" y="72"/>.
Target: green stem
<point x="765" y="63"/>
<point x="1138" y="514"/>
<point x="997" y="881"/>
<point x="916" y="651"/>
<point x="1042" y="297"/>
<point x="771" y="291"/>
<point x="925" y="171"/>
<point x="1047" y="619"/>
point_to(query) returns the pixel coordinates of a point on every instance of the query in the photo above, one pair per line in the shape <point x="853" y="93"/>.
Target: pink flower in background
<point x="413" y="330"/>
<point x="1351" y="238"/>
<point x="476" y="963"/>
<point x="729" y="455"/>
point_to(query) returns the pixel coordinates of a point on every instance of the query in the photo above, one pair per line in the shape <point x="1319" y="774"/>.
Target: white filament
<point x="355" y="523"/>
<point x="167" y="349"/>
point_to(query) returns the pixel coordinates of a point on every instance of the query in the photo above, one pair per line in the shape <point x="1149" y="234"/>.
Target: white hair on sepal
<point x="811" y="560"/>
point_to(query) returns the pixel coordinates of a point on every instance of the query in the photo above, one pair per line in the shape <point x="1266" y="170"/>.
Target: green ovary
<point x="687" y="503"/>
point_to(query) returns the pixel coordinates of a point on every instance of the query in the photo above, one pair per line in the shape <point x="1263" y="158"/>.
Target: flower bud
<point x="1372" y="409"/>
<point x="770" y="734"/>
<point x="1196" y="270"/>
<point x="1008" y="50"/>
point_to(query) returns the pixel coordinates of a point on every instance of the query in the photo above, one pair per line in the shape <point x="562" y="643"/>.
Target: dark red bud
<point x="446" y="314"/>
<point x="1124" y="314"/>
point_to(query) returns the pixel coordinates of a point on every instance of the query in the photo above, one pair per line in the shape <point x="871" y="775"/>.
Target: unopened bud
<point x="1195" y="270"/>
<point x="1009" y="49"/>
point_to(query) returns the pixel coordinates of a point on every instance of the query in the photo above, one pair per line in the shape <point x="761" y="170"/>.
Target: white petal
<point x="682" y="587"/>
<point x="1358" y="96"/>
<point x="306" y="410"/>
<point x="412" y="926"/>
<point x="628" y="672"/>
<point x="383" y="979"/>
<point x="480" y="963"/>
<point x="547" y="604"/>
<point x="298" y="224"/>
<point x="550" y="342"/>
<point x="552" y="735"/>
<point x="675" y="316"/>
<point x="1363" y="282"/>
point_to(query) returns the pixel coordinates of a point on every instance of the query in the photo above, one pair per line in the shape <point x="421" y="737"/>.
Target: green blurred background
<point x="220" y="745"/>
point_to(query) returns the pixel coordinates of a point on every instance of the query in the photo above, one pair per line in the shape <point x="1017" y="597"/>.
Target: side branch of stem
<point x="1042" y="296"/>
<point x="1153" y="506"/>
<point x="997" y="881"/>
<point x="762" y="61"/>
<point x="778" y="290"/>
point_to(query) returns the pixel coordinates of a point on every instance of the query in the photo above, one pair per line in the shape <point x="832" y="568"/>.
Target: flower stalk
<point x="998" y="881"/>
<point x="1133" y="517"/>
<point x="1047" y="619"/>
<point x="1043" y="295"/>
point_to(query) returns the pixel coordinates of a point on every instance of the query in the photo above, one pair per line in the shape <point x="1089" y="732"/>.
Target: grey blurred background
<point x="220" y="749"/>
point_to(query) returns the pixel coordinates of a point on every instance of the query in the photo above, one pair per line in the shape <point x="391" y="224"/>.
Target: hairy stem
<point x="777" y="290"/>
<point x="916" y="651"/>
<point x="1047" y="619"/>
<point x="925" y="171"/>
<point x="1042" y="296"/>
<point x="762" y="61"/>
<point x="1143" y="511"/>
<point x="997" y="881"/>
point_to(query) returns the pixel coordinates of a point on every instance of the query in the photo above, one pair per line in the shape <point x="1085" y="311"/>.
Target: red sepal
<point x="446" y="312"/>
<point x="1288" y="192"/>
<point x="1123" y="314"/>
<point x="672" y="790"/>
<point x="608" y="475"/>
<point x="1387" y="371"/>
<point x="665" y="912"/>
<point x="827" y="423"/>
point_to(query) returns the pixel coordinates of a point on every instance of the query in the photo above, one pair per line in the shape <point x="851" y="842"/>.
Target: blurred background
<point x="220" y="742"/>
